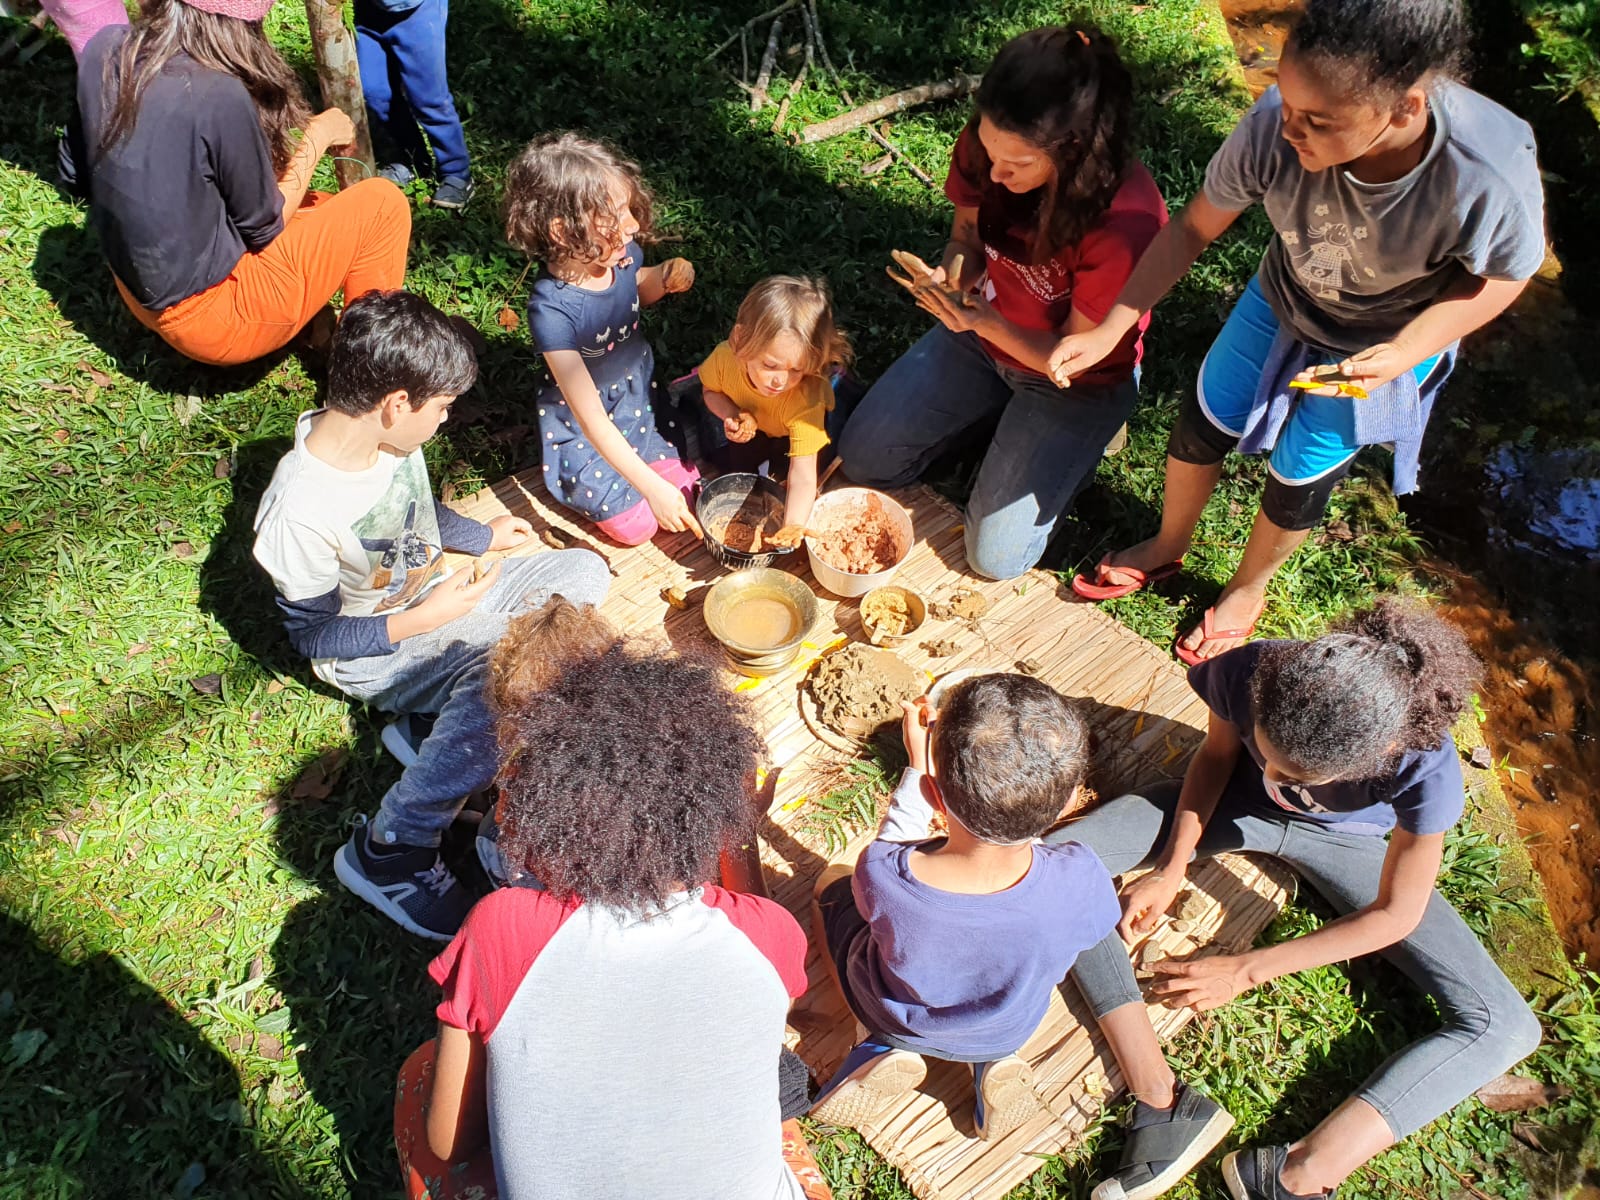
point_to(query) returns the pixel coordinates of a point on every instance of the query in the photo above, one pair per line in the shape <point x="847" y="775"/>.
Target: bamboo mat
<point x="1146" y="721"/>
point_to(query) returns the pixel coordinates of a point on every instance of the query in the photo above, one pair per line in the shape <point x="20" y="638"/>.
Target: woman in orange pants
<point x="184" y="143"/>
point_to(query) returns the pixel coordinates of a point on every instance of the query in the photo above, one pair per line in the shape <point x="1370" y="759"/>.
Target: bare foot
<point x="1235" y="609"/>
<point x="1145" y="557"/>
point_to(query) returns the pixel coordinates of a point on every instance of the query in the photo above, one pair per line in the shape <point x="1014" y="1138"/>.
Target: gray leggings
<point x="1488" y="1027"/>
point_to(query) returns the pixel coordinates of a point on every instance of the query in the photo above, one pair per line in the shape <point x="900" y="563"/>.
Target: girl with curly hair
<point x="1407" y="212"/>
<point x="583" y="1004"/>
<point x="1334" y="756"/>
<point x="580" y="210"/>
<point x="1052" y="210"/>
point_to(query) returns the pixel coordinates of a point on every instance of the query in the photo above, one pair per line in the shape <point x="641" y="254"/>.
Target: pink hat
<point x="244" y="10"/>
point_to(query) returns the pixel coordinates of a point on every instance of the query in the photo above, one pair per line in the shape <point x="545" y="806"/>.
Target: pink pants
<point x="80" y="20"/>
<point x="638" y="525"/>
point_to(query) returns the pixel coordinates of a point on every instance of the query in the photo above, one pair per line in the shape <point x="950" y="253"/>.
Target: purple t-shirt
<point x="1424" y="794"/>
<point x="969" y="977"/>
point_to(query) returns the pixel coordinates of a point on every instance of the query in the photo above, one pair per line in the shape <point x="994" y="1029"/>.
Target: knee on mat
<point x="865" y="463"/>
<point x="989" y="556"/>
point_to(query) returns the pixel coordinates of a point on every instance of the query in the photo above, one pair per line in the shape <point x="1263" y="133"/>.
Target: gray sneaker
<point x="410" y="885"/>
<point x="454" y="193"/>
<point x="398" y="174"/>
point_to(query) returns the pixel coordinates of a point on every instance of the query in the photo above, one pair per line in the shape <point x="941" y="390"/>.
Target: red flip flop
<point x="1207" y="634"/>
<point x="1110" y="591"/>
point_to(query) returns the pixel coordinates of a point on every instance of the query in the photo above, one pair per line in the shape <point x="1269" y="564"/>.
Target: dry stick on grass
<point x="758" y="95"/>
<point x="878" y="165"/>
<point x="944" y="89"/>
<point x="800" y="75"/>
<point x="748" y="25"/>
<point x="885" y="143"/>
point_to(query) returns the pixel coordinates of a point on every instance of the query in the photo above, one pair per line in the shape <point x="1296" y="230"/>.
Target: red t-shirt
<point x="1088" y="276"/>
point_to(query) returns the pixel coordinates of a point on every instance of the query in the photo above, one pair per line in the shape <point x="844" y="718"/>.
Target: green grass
<point x="189" y="1005"/>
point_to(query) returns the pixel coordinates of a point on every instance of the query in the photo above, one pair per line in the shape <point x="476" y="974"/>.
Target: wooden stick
<point x="878" y="165"/>
<point x="758" y="96"/>
<point x="828" y="474"/>
<point x="800" y="75"/>
<point x="944" y="89"/>
<point x="745" y="28"/>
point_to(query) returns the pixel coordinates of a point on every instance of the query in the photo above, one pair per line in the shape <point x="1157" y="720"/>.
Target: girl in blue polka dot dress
<point x="577" y="207"/>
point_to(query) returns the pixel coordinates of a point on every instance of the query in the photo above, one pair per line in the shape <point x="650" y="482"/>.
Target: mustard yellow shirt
<point x="797" y="414"/>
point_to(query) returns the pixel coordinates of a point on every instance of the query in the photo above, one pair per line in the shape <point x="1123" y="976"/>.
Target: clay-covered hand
<point x="916" y="728"/>
<point x="331" y="127"/>
<point x="1203" y="984"/>
<point x="677" y="275"/>
<point x="508" y="531"/>
<point x="1144" y="901"/>
<point x="788" y="537"/>
<point x="672" y="511"/>
<point x="740" y="428"/>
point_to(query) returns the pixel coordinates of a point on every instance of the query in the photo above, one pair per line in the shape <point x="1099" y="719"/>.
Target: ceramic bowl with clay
<point x="760" y="616"/>
<point x="915" y="606"/>
<point x="845" y="508"/>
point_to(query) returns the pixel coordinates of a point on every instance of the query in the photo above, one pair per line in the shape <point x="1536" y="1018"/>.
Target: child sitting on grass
<point x="577" y="207"/>
<point x="614" y="1029"/>
<point x="353" y="539"/>
<point x="768" y="388"/>
<point x="950" y="947"/>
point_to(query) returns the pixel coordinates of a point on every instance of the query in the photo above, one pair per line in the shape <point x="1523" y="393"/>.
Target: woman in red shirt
<point x="1052" y="211"/>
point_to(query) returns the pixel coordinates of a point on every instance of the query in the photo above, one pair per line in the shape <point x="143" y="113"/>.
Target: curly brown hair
<point x="558" y="202"/>
<point x="1388" y="679"/>
<point x="537" y="647"/>
<point x="626" y="776"/>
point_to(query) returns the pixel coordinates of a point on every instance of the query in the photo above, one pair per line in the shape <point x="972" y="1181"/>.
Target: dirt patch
<point x="1540" y="722"/>
<point x="858" y="689"/>
<point x="1258" y="29"/>
<point x="748" y="526"/>
<point x="963" y="604"/>
<point x="864" y="545"/>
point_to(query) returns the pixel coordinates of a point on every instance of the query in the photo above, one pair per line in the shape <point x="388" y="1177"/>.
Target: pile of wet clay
<point x="748" y="527"/>
<point x="858" y="689"/>
<point x="863" y="545"/>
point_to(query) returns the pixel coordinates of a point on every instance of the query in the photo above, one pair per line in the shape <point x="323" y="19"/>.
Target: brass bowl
<point x="759" y="584"/>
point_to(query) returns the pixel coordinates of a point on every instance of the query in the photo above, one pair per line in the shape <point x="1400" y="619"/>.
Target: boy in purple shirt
<point x="951" y="946"/>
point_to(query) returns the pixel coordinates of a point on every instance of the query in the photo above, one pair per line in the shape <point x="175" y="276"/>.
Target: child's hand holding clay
<point x="739" y="428"/>
<point x="677" y="275"/>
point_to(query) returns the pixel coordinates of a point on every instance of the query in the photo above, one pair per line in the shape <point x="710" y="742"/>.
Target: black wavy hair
<point x="1009" y="751"/>
<point x="1390" y="678"/>
<point x="396" y="341"/>
<point x="1382" y="48"/>
<point x="1065" y="89"/>
<point x="625" y="777"/>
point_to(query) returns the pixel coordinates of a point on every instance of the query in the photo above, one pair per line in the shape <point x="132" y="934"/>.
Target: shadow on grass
<point x="122" y="1096"/>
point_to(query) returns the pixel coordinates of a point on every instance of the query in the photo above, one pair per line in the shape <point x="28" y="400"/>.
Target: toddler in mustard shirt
<point x="769" y="385"/>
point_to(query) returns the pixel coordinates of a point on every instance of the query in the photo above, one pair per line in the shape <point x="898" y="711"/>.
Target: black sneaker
<point x="454" y="192"/>
<point x="1165" y="1144"/>
<point x="408" y="884"/>
<point x="1253" y="1174"/>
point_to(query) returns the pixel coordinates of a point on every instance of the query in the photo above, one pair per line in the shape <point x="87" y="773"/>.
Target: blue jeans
<point x="1047" y="445"/>
<point x="1487" y="1026"/>
<point x="403" y="74"/>
<point x="446" y="672"/>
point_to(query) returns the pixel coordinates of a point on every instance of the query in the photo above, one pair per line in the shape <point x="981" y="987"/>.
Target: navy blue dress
<point x="603" y="326"/>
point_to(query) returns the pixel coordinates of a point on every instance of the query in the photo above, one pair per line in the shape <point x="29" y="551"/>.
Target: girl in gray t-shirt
<point x="1407" y="211"/>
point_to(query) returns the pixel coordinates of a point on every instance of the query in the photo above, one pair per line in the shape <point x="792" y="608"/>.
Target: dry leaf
<point x="318" y="780"/>
<point x="1518" y="1093"/>
<point x="13" y="527"/>
<point x="274" y="687"/>
<point x="183" y="549"/>
<point x="508" y="319"/>
<point x="447" y="493"/>
<point x="207" y="685"/>
<point x="66" y="388"/>
<point x="138" y="648"/>
<point x="1339" y="530"/>
<point x="99" y="376"/>
<point x="223" y="469"/>
<point x="61" y="435"/>
<point x="186" y="408"/>
<point x="1481" y="757"/>
<point x="61" y="468"/>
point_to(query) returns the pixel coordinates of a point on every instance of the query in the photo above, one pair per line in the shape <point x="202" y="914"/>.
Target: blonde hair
<point x="537" y="648"/>
<point x="793" y="304"/>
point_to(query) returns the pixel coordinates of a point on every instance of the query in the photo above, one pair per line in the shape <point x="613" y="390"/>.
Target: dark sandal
<point x="1158" y="1155"/>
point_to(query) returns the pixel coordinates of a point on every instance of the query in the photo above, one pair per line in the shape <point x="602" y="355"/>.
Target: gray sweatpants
<point x="1488" y="1027"/>
<point x="445" y="672"/>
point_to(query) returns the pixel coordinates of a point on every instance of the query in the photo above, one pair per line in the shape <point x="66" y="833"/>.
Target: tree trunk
<point x="340" y="77"/>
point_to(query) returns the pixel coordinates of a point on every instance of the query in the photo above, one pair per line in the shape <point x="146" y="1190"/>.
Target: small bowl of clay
<point x="856" y="539"/>
<point x="891" y="614"/>
<point x="760" y="615"/>
<point x="739" y="513"/>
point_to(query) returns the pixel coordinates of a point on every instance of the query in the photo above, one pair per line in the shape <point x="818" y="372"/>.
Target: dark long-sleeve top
<point x="188" y="192"/>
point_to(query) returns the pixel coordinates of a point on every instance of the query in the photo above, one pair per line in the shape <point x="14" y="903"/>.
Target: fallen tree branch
<point x="800" y="75"/>
<point x="745" y="28"/>
<point x="945" y="89"/>
<point x="758" y="95"/>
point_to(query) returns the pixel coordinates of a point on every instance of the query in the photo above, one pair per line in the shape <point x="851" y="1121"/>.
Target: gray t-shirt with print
<point x="1353" y="262"/>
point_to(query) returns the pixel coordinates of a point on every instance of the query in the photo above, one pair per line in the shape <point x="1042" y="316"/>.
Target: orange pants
<point x="354" y="242"/>
<point x="427" y="1177"/>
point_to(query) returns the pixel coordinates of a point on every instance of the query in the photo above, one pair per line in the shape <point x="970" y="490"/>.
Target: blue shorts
<point x="1319" y="436"/>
